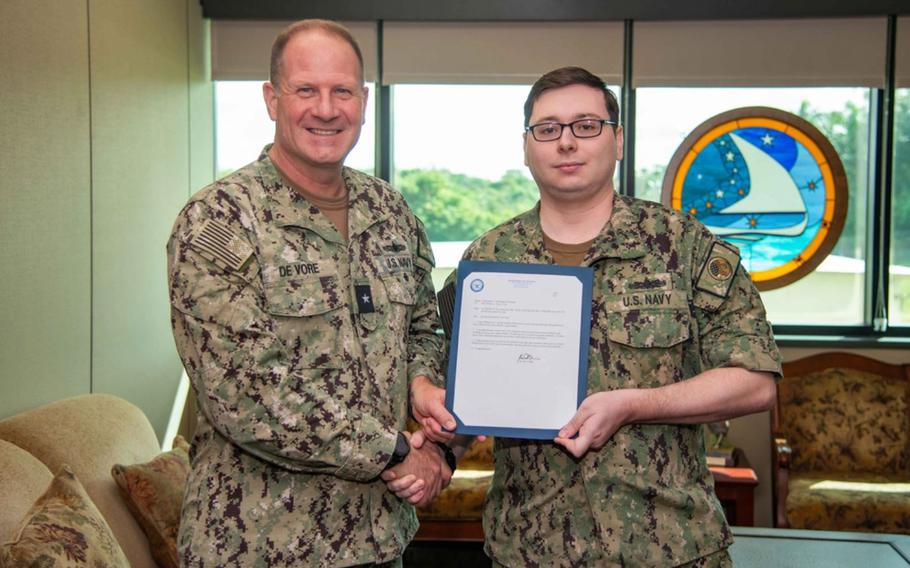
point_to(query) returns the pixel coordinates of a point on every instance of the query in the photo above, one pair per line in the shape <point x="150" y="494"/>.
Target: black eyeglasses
<point x="584" y="128"/>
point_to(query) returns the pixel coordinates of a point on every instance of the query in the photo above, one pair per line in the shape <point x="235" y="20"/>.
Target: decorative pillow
<point x="64" y="529"/>
<point x="153" y="492"/>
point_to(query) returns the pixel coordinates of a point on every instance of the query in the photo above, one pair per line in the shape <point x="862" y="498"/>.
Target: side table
<point x="735" y="488"/>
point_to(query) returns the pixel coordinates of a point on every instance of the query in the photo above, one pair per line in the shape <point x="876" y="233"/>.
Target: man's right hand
<point x="420" y="477"/>
<point x="428" y="405"/>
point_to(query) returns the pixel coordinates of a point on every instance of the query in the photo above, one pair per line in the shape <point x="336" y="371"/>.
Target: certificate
<point x="518" y="359"/>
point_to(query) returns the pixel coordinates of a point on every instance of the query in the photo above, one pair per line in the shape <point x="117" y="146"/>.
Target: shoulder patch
<point x="218" y="243"/>
<point x="716" y="274"/>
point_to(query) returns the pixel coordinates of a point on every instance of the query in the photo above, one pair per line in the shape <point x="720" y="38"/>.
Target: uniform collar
<point x="621" y="237"/>
<point x="367" y="202"/>
<point x="289" y="208"/>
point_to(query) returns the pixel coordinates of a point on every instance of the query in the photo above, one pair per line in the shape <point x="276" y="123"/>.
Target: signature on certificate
<point x="527" y="358"/>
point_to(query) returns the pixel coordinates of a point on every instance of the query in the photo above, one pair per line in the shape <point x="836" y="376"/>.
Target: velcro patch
<point x="216" y="242"/>
<point x="302" y="270"/>
<point x="659" y="299"/>
<point x="650" y="283"/>
<point x="716" y="275"/>
<point x="364" y="298"/>
<point x="394" y="248"/>
<point x="393" y="263"/>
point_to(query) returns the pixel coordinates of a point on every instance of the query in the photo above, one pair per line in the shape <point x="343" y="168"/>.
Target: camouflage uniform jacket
<point x="302" y="382"/>
<point x="659" y="316"/>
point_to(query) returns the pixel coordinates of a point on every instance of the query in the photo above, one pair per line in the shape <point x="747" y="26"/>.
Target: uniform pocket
<point x="308" y="318"/>
<point x="649" y="328"/>
<point x="400" y="299"/>
<point x="302" y="298"/>
<point x="400" y="288"/>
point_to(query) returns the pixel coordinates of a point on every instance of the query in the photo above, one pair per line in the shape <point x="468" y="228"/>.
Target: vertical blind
<point x="760" y="53"/>
<point x="241" y="49"/>
<point x="748" y="53"/>
<point x="902" y="55"/>
<point x="498" y="52"/>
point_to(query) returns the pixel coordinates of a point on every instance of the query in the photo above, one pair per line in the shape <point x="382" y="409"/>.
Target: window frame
<point x="874" y="332"/>
<point x="878" y="227"/>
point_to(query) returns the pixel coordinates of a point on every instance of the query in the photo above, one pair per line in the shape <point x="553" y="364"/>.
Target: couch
<point x="841" y="445"/>
<point x="90" y="433"/>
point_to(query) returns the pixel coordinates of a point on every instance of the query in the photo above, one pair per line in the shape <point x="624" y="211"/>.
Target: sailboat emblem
<point x="766" y="181"/>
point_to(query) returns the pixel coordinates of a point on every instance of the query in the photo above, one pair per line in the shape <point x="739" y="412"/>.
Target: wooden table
<point x="735" y="488"/>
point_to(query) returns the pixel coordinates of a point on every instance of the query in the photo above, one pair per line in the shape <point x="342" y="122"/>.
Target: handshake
<point x="425" y="470"/>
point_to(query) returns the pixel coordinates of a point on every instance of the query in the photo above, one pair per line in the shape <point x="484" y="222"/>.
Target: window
<point x="459" y="161"/>
<point x="834" y="293"/>
<point x="456" y="124"/>
<point x="899" y="270"/>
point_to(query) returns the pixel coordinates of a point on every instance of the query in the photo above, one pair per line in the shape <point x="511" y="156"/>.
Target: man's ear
<point x="620" y="141"/>
<point x="270" y="96"/>
<point x="524" y="145"/>
<point x="366" y="97"/>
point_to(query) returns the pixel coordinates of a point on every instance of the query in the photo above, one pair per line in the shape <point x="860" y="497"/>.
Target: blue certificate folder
<point x="466" y="269"/>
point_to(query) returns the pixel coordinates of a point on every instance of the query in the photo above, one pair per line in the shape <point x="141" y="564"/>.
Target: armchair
<point x="841" y="445"/>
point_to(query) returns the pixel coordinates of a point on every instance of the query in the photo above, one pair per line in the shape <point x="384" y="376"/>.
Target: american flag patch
<point x="216" y="242"/>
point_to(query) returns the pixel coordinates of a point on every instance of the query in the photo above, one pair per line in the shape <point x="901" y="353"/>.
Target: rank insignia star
<point x="364" y="298"/>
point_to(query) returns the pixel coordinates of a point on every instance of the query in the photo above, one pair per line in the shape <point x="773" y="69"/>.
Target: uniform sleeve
<point x="733" y="328"/>
<point x="426" y="347"/>
<point x="248" y="386"/>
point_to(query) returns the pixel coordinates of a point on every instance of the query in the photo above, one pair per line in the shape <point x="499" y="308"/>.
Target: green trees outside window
<point x="458" y="207"/>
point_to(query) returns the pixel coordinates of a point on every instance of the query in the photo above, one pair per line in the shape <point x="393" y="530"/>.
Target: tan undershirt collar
<point x="335" y="208"/>
<point x="567" y="254"/>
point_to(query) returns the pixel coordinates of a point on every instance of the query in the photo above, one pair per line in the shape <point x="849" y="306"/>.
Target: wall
<point x="107" y="128"/>
<point x="753" y="433"/>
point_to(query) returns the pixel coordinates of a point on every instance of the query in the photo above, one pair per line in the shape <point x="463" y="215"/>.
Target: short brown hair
<point x="564" y="77"/>
<point x="326" y="26"/>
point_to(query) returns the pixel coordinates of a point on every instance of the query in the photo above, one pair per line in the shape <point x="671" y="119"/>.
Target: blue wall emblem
<point x="769" y="183"/>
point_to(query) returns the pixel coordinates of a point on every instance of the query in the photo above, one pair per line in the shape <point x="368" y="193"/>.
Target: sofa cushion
<point x="91" y="433"/>
<point x="153" y="491"/>
<point x="462" y="500"/>
<point x="478" y="456"/>
<point x="846" y="420"/>
<point x="855" y="502"/>
<point x="22" y="480"/>
<point x="63" y="529"/>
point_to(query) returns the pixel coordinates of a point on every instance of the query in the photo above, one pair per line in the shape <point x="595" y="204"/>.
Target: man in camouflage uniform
<point x="303" y="311"/>
<point x="678" y="338"/>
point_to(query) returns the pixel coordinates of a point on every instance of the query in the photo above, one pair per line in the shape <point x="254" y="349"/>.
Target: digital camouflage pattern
<point x="658" y="317"/>
<point x="301" y="386"/>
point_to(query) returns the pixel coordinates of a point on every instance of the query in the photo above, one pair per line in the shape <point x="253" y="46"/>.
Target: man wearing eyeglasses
<point x="304" y="313"/>
<point x="678" y="338"/>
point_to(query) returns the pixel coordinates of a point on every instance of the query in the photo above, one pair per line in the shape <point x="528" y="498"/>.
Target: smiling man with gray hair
<point x="304" y="313"/>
